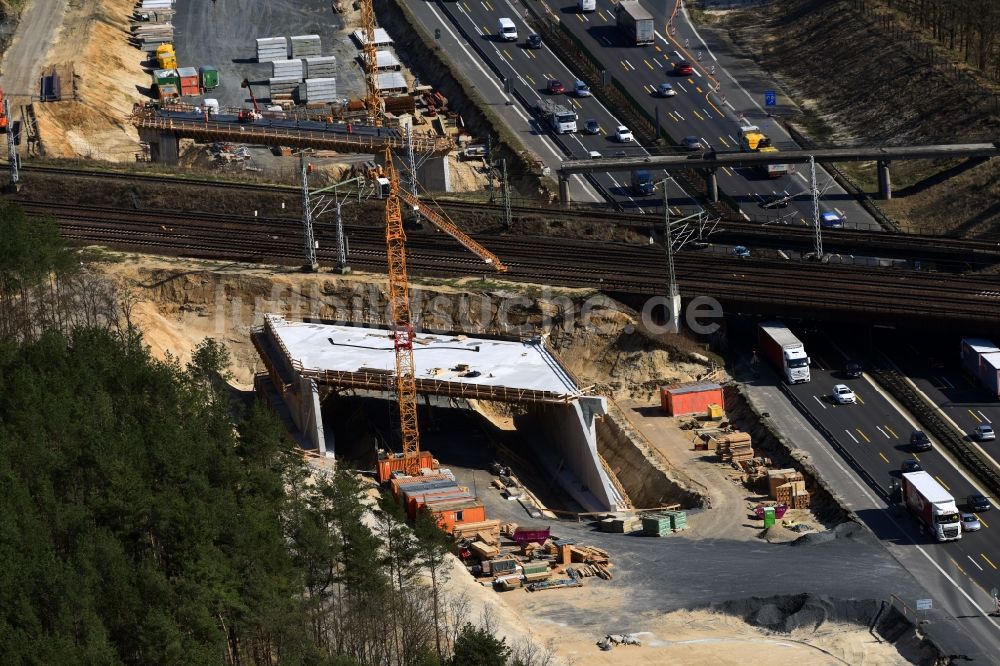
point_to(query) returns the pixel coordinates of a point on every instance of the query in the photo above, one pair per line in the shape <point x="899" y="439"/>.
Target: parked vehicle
<point x="978" y="503"/>
<point x="919" y="441"/>
<point x="932" y="505"/>
<point x="785" y="351"/>
<point x="842" y="394"/>
<point x="506" y="30"/>
<point x="637" y="23"/>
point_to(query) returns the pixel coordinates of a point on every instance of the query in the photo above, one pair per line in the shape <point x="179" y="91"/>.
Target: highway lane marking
<point x="879" y="428"/>
<point x="679" y="115"/>
<point x="985" y="524"/>
<point x="892" y="431"/>
<point x="979" y="420"/>
<point x="803" y="221"/>
<point x="601" y="14"/>
<point x="802" y="176"/>
<point x="839" y="212"/>
<point x="974" y="562"/>
<point x="624" y="66"/>
<point x="507" y="55"/>
<point x="691" y="81"/>
<point x="658" y="63"/>
<point x="658" y="49"/>
<point x="958" y="565"/>
<point x="728" y="172"/>
<point x="648" y="64"/>
<point x="721" y="114"/>
<point x="486" y="30"/>
<point x="679" y="56"/>
<point x="580" y="16"/>
<point x="697" y="115"/>
<point x="467" y="7"/>
<point x="915" y="457"/>
<point x="732" y="139"/>
<point x="724" y="142"/>
<point x="697" y="88"/>
<point x="648" y="87"/>
<point x="679" y="85"/>
<point x="882" y="456"/>
<point x="630" y="65"/>
<point x="528" y="76"/>
<point x="578" y="105"/>
<point x="707" y="114"/>
<point x="862" y="433"/>
<point x="859" y="398"/>
<point x="945" y="381"/>
<point x="852" y="436"/>
<point x="816" y="398"/>
<point x="485" y="5"/>
<point x="988" y="561"/>
<point x="986" y="418"/>
<point x="942" y="483"/>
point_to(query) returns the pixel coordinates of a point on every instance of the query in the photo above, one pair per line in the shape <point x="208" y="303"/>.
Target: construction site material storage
<point x="690" y="398"/>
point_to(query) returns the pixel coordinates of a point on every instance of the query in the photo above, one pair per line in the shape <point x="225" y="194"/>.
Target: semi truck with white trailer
<point x="981" y="359"/>
<point x="636" y="22"/>
<point x="560" y="119"/>
<point x="785" y="351"/>
<point x="932" y="505"/>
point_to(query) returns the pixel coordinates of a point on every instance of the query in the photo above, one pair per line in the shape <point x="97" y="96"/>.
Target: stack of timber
<point x="734" y="447"/>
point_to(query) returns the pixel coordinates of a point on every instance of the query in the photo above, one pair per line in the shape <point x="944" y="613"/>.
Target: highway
<point x="528" y="71"/>
<point x="695" y="111"/>
<point x="875" y="434"/>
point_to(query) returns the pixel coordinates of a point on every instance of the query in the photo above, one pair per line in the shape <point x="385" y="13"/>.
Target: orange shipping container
<point x="387" y="466"/>
<point x="693" y="398"/>
<point x="403" y="483"/>
<point x="449" y="514"/>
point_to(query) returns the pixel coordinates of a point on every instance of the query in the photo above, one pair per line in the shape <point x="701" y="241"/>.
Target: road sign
<point x="770" y="98"/>
<point x="925" y="604"/>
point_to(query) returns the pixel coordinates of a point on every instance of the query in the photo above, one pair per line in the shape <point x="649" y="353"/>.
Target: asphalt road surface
<point x="696" y="111"/>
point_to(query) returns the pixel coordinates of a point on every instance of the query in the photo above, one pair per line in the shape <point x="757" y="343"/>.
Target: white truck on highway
<point x="636" y="22"/>
<point x="785" y="351"/>
<point x="933" y="505"/>
<point x="560" y="119"/>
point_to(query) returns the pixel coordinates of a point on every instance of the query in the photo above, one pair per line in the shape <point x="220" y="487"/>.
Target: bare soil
<point x="859" y="83"/>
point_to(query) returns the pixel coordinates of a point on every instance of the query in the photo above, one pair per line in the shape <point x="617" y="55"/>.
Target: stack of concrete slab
<point x="391" y="82"/>
<point x="321" y="67"/>
<point x="381" y="37"/>
<point x="287" y="69"/>
<point x="319" y="90"/>
<point x="283" y="86"/>
<point x="385" y="60"/>
<point x="305" y="46"/>
<point x="272" y="48"/>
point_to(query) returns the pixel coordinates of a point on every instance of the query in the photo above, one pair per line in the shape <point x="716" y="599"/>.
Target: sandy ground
<point x="23" y="60"/>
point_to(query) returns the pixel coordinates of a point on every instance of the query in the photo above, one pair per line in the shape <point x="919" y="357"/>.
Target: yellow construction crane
<point x="373" y="102"/>
<point x="399" y="302"/>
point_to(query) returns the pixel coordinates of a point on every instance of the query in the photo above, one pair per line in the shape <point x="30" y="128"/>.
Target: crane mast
<point x="373" y="101"/>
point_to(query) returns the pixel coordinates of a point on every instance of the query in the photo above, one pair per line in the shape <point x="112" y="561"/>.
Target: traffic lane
<point x="534" y="68"/>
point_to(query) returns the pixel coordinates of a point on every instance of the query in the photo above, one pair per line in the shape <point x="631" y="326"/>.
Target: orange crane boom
<point x="373" y="101"/>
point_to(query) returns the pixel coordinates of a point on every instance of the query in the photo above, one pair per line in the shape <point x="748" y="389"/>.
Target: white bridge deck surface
<point x="518" y="365"/>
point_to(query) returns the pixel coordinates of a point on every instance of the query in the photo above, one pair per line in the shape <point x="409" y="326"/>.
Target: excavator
<point x="246" y="115"/>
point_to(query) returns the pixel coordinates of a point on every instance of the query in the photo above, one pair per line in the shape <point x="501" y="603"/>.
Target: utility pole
<point x="673" y="292"/>
<point x="489" y="164"/>
<point x="307" y="224"/>
<point x="818" y="249"/>
<point x="508" y="219"/>
<point x="12" y="158"/>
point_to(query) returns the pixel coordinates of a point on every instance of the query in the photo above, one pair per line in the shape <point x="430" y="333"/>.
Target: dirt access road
<point x="35" y="35"/>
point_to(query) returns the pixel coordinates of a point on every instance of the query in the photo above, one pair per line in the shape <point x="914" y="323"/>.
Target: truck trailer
<point x="635" y="22"/>
<point x="932" y="505"/>
<point x="785" y="351"/>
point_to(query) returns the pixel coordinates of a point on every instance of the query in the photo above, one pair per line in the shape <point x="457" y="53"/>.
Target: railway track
<point x="877" y="294"/>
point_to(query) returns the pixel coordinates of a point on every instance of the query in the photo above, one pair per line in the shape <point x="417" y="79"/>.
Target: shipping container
<point x="167" y="92"/>
<point x="972" y="349"/>
<point x="695" y="398"/>
<point x="989" y="372"/>
<point x="386" y="466"/>
<point x="166" y="77"/>
<point x="209" y="77"/>
<point x="458" y="513"/>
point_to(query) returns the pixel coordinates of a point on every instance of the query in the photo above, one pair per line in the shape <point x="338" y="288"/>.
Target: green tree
<point x="433" y="546"/>
<point x="476" y="646"/>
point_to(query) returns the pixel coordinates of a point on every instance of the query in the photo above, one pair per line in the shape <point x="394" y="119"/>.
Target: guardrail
<point x="894" y="382"/>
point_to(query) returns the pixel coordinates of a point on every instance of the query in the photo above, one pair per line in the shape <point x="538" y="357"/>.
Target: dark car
<point x="683" y="68"/>
<point x="534" y="41"/>
<point x="768" y="200"/>
<point x="910" y="465"/>
<point x="591" y="126"/>
<point x="691" y="143"/>
<point x="556" y="87"/>
<point x="978" y="503"/>
<point x="920" y="441"/>
<point x="852" y="370"/>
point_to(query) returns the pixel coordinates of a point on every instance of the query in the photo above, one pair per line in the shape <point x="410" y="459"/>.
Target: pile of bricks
<point x="734" y="447"/>
<point x="788" y="487"/>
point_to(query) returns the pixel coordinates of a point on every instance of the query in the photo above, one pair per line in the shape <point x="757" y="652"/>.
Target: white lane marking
<point x="816" y="398"/>
<point x="851" y="436"/>
<point x="984" y="416"/>
<point x="707" y="114"/>
<point x="879" y="428"/>
<point x="944" y="380"/>
<point x="802" y="176"/>
<point x="681" y="86"/>
<point x="974" y="562"/>
<point x="679" y="115"/>
<point x="735" y="142"/>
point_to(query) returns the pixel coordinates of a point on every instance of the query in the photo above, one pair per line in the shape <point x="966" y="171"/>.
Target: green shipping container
<point x="167" y="77"/>
<point x="209" y="77"/>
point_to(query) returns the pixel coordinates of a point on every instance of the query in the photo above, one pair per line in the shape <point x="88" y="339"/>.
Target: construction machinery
<point x="246" y="115"/>
<point x="373" y="100"/>
<point x="753" y="140"/>
<point x="166" y="58"/>
<point x="399" y="302"/>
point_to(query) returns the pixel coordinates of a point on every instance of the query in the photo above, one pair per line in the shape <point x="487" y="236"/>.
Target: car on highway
<point x="683" y="68"/>
<point x="581" y="89"/>
<point x="843" y="395"/>
<point x="623" y="134"/>
<point x="768" y="200"/>
<point x="591" y="126"/>
<point x="594" y="155"/>
<point x="919" y="441"/>
<point x="555" y="87"/>
<point x="852" y="370"/>
<point x="985" y="433"/>
<point x="978" y="503"/>
<point x="534" y="41"/>
<point x="910" y="465"/>
<point x="831" y="221"/>
<point x="741" y="251"/>
<point x="970" y="523"/>
<point x="691" y="143"/>
<point x="506" y="30"/>
<point x="665" y="90"/>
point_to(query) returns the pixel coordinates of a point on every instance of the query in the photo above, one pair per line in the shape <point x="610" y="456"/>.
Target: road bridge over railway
<point x="711" y="160"/>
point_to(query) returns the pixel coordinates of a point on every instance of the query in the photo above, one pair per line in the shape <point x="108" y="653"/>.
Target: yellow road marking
<point x="527" y="76"/>
<point x="488" y="5"/>
<point x="697" y="88"/>
<point x="691" y="81"/>
<point x="858" y="397"/>
<point x="958" y="565"/>
<point x="988" y="561"/>
<point x="658" y="49"/>
<point x="467" y="8"/>
<point x="601" y="14"/>
<point x="985" y="524"/>
<point x="724" y="142"/>
<point x="648" y="64"/>
<point x="915" y="457"/>
<point x="486" y="30"/>
<point x="892" y="431"/>
<point x="624" y="66"/>
<point x="880" y="453"/>
<point x="943" y="483"/>
<point x="697" y="114"/>
<point x="507" y="55"/>
<point x="728" y="172"/>
<point x="861" y="432"/>
<point x="580" y="16"/>
<point x="975" y="417"/>
<point x="721" y="114"/>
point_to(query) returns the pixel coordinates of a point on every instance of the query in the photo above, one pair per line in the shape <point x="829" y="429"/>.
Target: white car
<point x="843" y="395"/>
<point x="623" y="134"/>
<point x="594" y="155"/>
<point x="984" y="432"/>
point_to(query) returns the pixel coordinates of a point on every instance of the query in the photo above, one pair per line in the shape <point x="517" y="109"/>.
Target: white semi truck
<point x="933" y="505"/>
<point x="784" y="350"/>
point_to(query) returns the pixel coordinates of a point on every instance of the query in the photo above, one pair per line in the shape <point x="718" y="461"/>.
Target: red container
<point x="690" y="398"/>
<point x="387" y="466"/>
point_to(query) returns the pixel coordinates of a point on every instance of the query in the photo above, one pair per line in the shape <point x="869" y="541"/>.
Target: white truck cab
<point x="506" y="30"/>
<point x="586" y="5"/>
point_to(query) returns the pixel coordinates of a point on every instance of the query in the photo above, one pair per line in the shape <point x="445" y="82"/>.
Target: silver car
<point x="970" y="523"/>
<point x="984" y="432"/>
